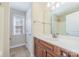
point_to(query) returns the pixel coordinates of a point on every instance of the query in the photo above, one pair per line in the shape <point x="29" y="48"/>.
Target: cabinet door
<point x="50" y="54"/>
<point x="57" y="51"/>
<point x="44" y="53"/>
<point x="72" y="54"/>
<point x="40" y="52"/>
<point x="64" y="53"/>
<point x="77" y="55"/>
<point x="39" y="49"/>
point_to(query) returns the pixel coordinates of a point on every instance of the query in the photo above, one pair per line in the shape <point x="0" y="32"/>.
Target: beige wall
<point x="37" y="18"/>
<point x="47" y="20"/>
<point x="41" y="19"/>
<point x="4" y="25"/>
<point x="1" y="28"/>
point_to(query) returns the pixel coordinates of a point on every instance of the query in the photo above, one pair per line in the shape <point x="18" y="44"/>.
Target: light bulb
<point x="48" y="4"/>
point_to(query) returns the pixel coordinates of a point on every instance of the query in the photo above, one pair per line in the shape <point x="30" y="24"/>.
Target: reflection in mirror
<point x="58" y="25"/>
<point x="72" y="24"/>
<point x="65" y="20"/>
<point x="66" y="25"/>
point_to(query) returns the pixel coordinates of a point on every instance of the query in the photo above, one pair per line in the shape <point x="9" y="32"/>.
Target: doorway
<point x="17" y="28"/>
<point x="18" y="33"/>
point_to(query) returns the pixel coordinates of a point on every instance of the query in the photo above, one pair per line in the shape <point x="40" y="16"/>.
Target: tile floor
<point x="19" y="52"/>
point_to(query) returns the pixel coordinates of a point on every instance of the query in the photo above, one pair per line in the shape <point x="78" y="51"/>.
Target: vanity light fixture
<point x="54" y="5"/>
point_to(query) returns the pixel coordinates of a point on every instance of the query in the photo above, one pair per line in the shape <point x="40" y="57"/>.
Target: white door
<point x="29" y="37"/>
<point x="17" y="31"/>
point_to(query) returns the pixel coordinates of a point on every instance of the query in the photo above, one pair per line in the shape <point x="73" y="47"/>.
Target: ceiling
<point x="22" y="6"/>
<point x="67" y="8"/>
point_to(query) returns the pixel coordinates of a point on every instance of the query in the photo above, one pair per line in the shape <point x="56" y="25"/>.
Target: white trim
<point x="17" y="45"/>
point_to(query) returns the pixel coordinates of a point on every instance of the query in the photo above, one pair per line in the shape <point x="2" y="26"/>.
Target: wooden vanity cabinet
<point x="72" y="54"/>
<point x="44" y="49"/>
<point x="77" y="55"/>
<point x="49" y="49"/>
<point x="50" y="54"/>
<point x="39" y="50"/>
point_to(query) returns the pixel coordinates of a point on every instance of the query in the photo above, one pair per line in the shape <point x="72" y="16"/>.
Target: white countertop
<point x="67" y="42"/>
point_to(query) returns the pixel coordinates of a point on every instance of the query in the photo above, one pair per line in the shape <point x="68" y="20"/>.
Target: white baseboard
<point x="17" y="45"/>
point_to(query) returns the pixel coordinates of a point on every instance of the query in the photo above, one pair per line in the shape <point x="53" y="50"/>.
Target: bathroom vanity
<point x="65" y="23"/>
<point x="52" y="48"/>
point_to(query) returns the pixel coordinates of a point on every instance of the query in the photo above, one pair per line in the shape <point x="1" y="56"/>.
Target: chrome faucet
<point x="55" y="35"/>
